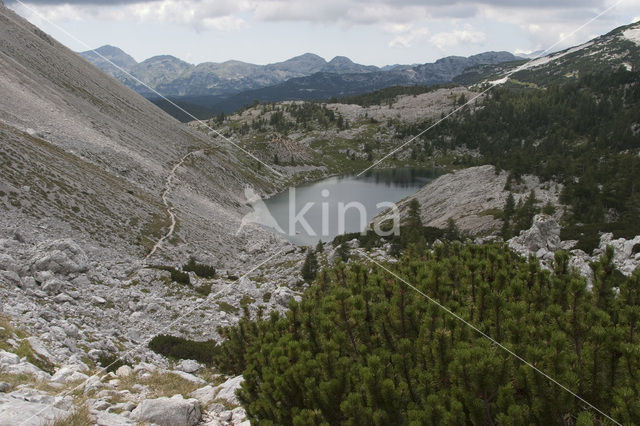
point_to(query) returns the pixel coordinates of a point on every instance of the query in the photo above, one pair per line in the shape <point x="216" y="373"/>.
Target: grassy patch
<point x="226" y="307"/>
<point x="204" y="289"/>
<point x="110" y="362"/>
<point x="496" y="213"/>
<point x="161" y="383"/>
<point x="79" y="417"/>
<point x="246" y="300"/>
<point x="153" y="230"/>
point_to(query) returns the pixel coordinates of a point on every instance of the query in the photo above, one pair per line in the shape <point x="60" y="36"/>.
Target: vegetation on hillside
<point x="584" y="134"/>
<point x="386" y="95"/>
<point x="363" y="348"/>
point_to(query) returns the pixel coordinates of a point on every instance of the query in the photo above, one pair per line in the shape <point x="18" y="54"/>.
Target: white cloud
<point x="217" y="16"/>
<point x="39" y="15"/>
<point x="447" y="40"/>
<point x="407" y="37"/>
<point x="543" y="21"/>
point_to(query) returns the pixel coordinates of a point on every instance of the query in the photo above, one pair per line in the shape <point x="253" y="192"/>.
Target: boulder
<point x="205" y="394"/>
<point x="62" y="298"/>
<point x="543" y="234"/>
<point x="124" y="371"/>
<point x="39" y="349"/>
<point x="8" y="263"/>
<point x="174" y="411"/>
<point x="11" y="277"/>
<point x="227" y="390"/>
<point x="99" y="300"/>
<point x="54" y="286"/>
<point x="283" y="295"/>
<point x="81" y="281"/>
<point x="68" y="375"/>
<point x="188" y="376"/>
<point x="61" y="257"/>
<point x="8" y="358"/>
<point x="188" y="366"/>
<point x="144" y="367"/>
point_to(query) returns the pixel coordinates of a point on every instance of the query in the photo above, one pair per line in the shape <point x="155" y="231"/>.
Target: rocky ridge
<point x="473" y="197"/>
<point x="543" y="239"/>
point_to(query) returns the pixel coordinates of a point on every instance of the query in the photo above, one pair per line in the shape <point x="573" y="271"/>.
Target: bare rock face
<point x="188" y="366"/>
<point x="32" y="407"/>
<point x="174" y="411"/>
<point x="544" y="234"/>
<point x="471" y="196"/>
<point x="625" y="252"/>
<point x="227" y="390"/>
<point x="543" y="240"/>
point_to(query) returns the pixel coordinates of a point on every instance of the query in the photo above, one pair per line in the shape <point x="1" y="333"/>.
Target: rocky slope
<point x="473" y="198"/>
<point x="312" y="140"/>
<point x="92" y="177"/>
<point x="605" y="53"/>
<point x="83" y="156"/>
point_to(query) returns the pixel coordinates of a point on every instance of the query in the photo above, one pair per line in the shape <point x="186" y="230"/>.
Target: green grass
<point x="246" y="300"/>
<point x="496" y="213"/>
<point x="227" y="308"/>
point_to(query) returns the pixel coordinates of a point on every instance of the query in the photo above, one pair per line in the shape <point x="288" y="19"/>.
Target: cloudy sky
<point x="376" y="32"/>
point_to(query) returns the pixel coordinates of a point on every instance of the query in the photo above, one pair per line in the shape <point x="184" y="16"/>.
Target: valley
<point x="140" y="282"/>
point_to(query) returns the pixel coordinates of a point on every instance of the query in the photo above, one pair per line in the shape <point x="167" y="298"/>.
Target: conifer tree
<point x="310" y="266"/>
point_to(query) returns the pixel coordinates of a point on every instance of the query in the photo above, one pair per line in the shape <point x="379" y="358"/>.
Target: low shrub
<point x="180" y="348"/>
<point x="110" y="362"/>
<point x="176" y="275"/>
<point x="200" y="269"/>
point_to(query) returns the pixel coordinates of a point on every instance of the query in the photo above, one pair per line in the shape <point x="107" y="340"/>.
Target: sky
<point x="371" y="32"/>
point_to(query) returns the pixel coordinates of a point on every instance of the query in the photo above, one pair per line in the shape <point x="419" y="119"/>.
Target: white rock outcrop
<point x="174" y="411"/>
<point x="227" y="390"/>
<point x="543" y="240"/>
<point x="59" y="257"/>
<point x="469" y="197"/>
<point x="188" y="366"/>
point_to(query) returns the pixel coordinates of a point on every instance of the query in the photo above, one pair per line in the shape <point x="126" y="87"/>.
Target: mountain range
<point x="172" y="76"/>
<point x="211" y="87"/>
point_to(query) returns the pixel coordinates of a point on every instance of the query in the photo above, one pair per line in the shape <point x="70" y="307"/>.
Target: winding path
<point x="168" y="208"/>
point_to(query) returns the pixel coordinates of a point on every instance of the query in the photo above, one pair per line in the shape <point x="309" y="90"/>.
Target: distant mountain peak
<point x="104" y="57"/>
<point x="164" y="58"/>
<point x="308" y="55"/>
<point x="341" y="60"/>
